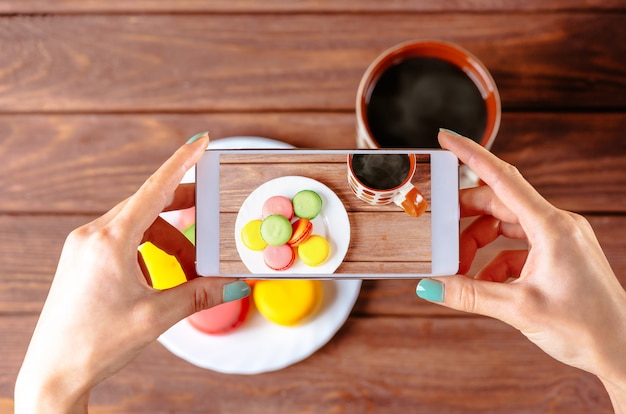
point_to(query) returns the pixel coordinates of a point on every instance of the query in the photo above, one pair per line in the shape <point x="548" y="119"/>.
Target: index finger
<point x="156" y="193"/>
<point x="503" y="178"/>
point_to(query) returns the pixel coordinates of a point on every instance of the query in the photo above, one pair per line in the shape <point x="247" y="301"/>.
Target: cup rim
<point x="443" y="50"/>
<point x="407" y="179"/>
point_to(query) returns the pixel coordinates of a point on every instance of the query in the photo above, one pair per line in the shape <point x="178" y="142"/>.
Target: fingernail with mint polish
<point x="449" y="131"/>
<point x="197" y="137"/>
<point x="235" y="290"/>
<point x="430" y="289"/>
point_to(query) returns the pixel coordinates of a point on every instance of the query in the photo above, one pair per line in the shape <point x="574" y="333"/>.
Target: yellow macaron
<point x="314" y="251"/>
<point x="165" y="271"/>
<point x="287" y="302"/>
<point x="251" y="236"/>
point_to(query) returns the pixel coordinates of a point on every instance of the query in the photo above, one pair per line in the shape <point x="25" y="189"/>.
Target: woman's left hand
<point x="101" y="311"/>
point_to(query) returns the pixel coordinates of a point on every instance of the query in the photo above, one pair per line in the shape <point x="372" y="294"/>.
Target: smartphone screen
<point x="349" y="214"/>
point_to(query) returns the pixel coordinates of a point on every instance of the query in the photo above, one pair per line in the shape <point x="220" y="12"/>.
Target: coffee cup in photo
<point x="414" y="88"/>
<point x="380" y="179"/>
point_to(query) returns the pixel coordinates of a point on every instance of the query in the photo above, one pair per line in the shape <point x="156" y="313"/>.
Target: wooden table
<point x="95" y="95"/>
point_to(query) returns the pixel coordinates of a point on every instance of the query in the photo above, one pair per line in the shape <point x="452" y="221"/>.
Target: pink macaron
<point x="222" y="318"/>
<point x="278" y="205"/>
<point x="279" y="257"/>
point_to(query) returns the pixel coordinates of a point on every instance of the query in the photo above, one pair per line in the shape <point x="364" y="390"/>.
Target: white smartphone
<point x="327" y="214"/>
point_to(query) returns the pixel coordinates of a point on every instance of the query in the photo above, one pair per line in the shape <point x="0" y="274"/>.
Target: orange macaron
<point x="301" y="231"/>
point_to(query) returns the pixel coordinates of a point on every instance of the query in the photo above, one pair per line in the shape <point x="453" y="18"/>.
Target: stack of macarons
<point x="166" y="273"/>
<point x="285" y="230"/>
<point x="283" y="302"/>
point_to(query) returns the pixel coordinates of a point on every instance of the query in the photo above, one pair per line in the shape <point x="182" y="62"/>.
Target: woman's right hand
<point x="561" y="293"/>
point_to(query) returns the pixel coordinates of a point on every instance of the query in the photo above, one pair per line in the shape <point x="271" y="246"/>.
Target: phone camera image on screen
<point x="341" y="213"/>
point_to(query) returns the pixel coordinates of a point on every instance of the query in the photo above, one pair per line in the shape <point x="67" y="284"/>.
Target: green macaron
<point x="276" y="230"/>
<point x="307" y="204"/>
<point x="190" y="233"/>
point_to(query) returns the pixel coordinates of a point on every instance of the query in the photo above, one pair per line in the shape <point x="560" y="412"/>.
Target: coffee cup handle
<point x="411" y="201"/>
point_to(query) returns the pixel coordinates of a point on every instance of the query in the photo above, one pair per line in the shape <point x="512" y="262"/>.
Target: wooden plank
<point x="284" y="156"/>
<point x="575" y="162"/>
<point x="30" y="247"/>
<point x="113" y="63"/>
<point x="302" y="6"/>
<point x="375" y="239"/>
<point x="88" y="163"/>
<point x="351" y="269"/>
<point x="381" y="364"/>
<point x="238" y="181"/>
<point x="29" y="253"/>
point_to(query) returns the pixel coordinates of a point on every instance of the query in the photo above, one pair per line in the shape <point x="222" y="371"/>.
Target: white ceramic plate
<point x="258" y="345"/>
<point x="333" y="216"/>
<point x="247" y="142"/>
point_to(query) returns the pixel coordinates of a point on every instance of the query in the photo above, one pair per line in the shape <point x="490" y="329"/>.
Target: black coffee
<point x="381" y="171"/>
<point x="419" y="95"/>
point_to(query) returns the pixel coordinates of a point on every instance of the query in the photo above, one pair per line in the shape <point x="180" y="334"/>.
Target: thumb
<point x="195" y="295"/>
<point x="466" y="294"/>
